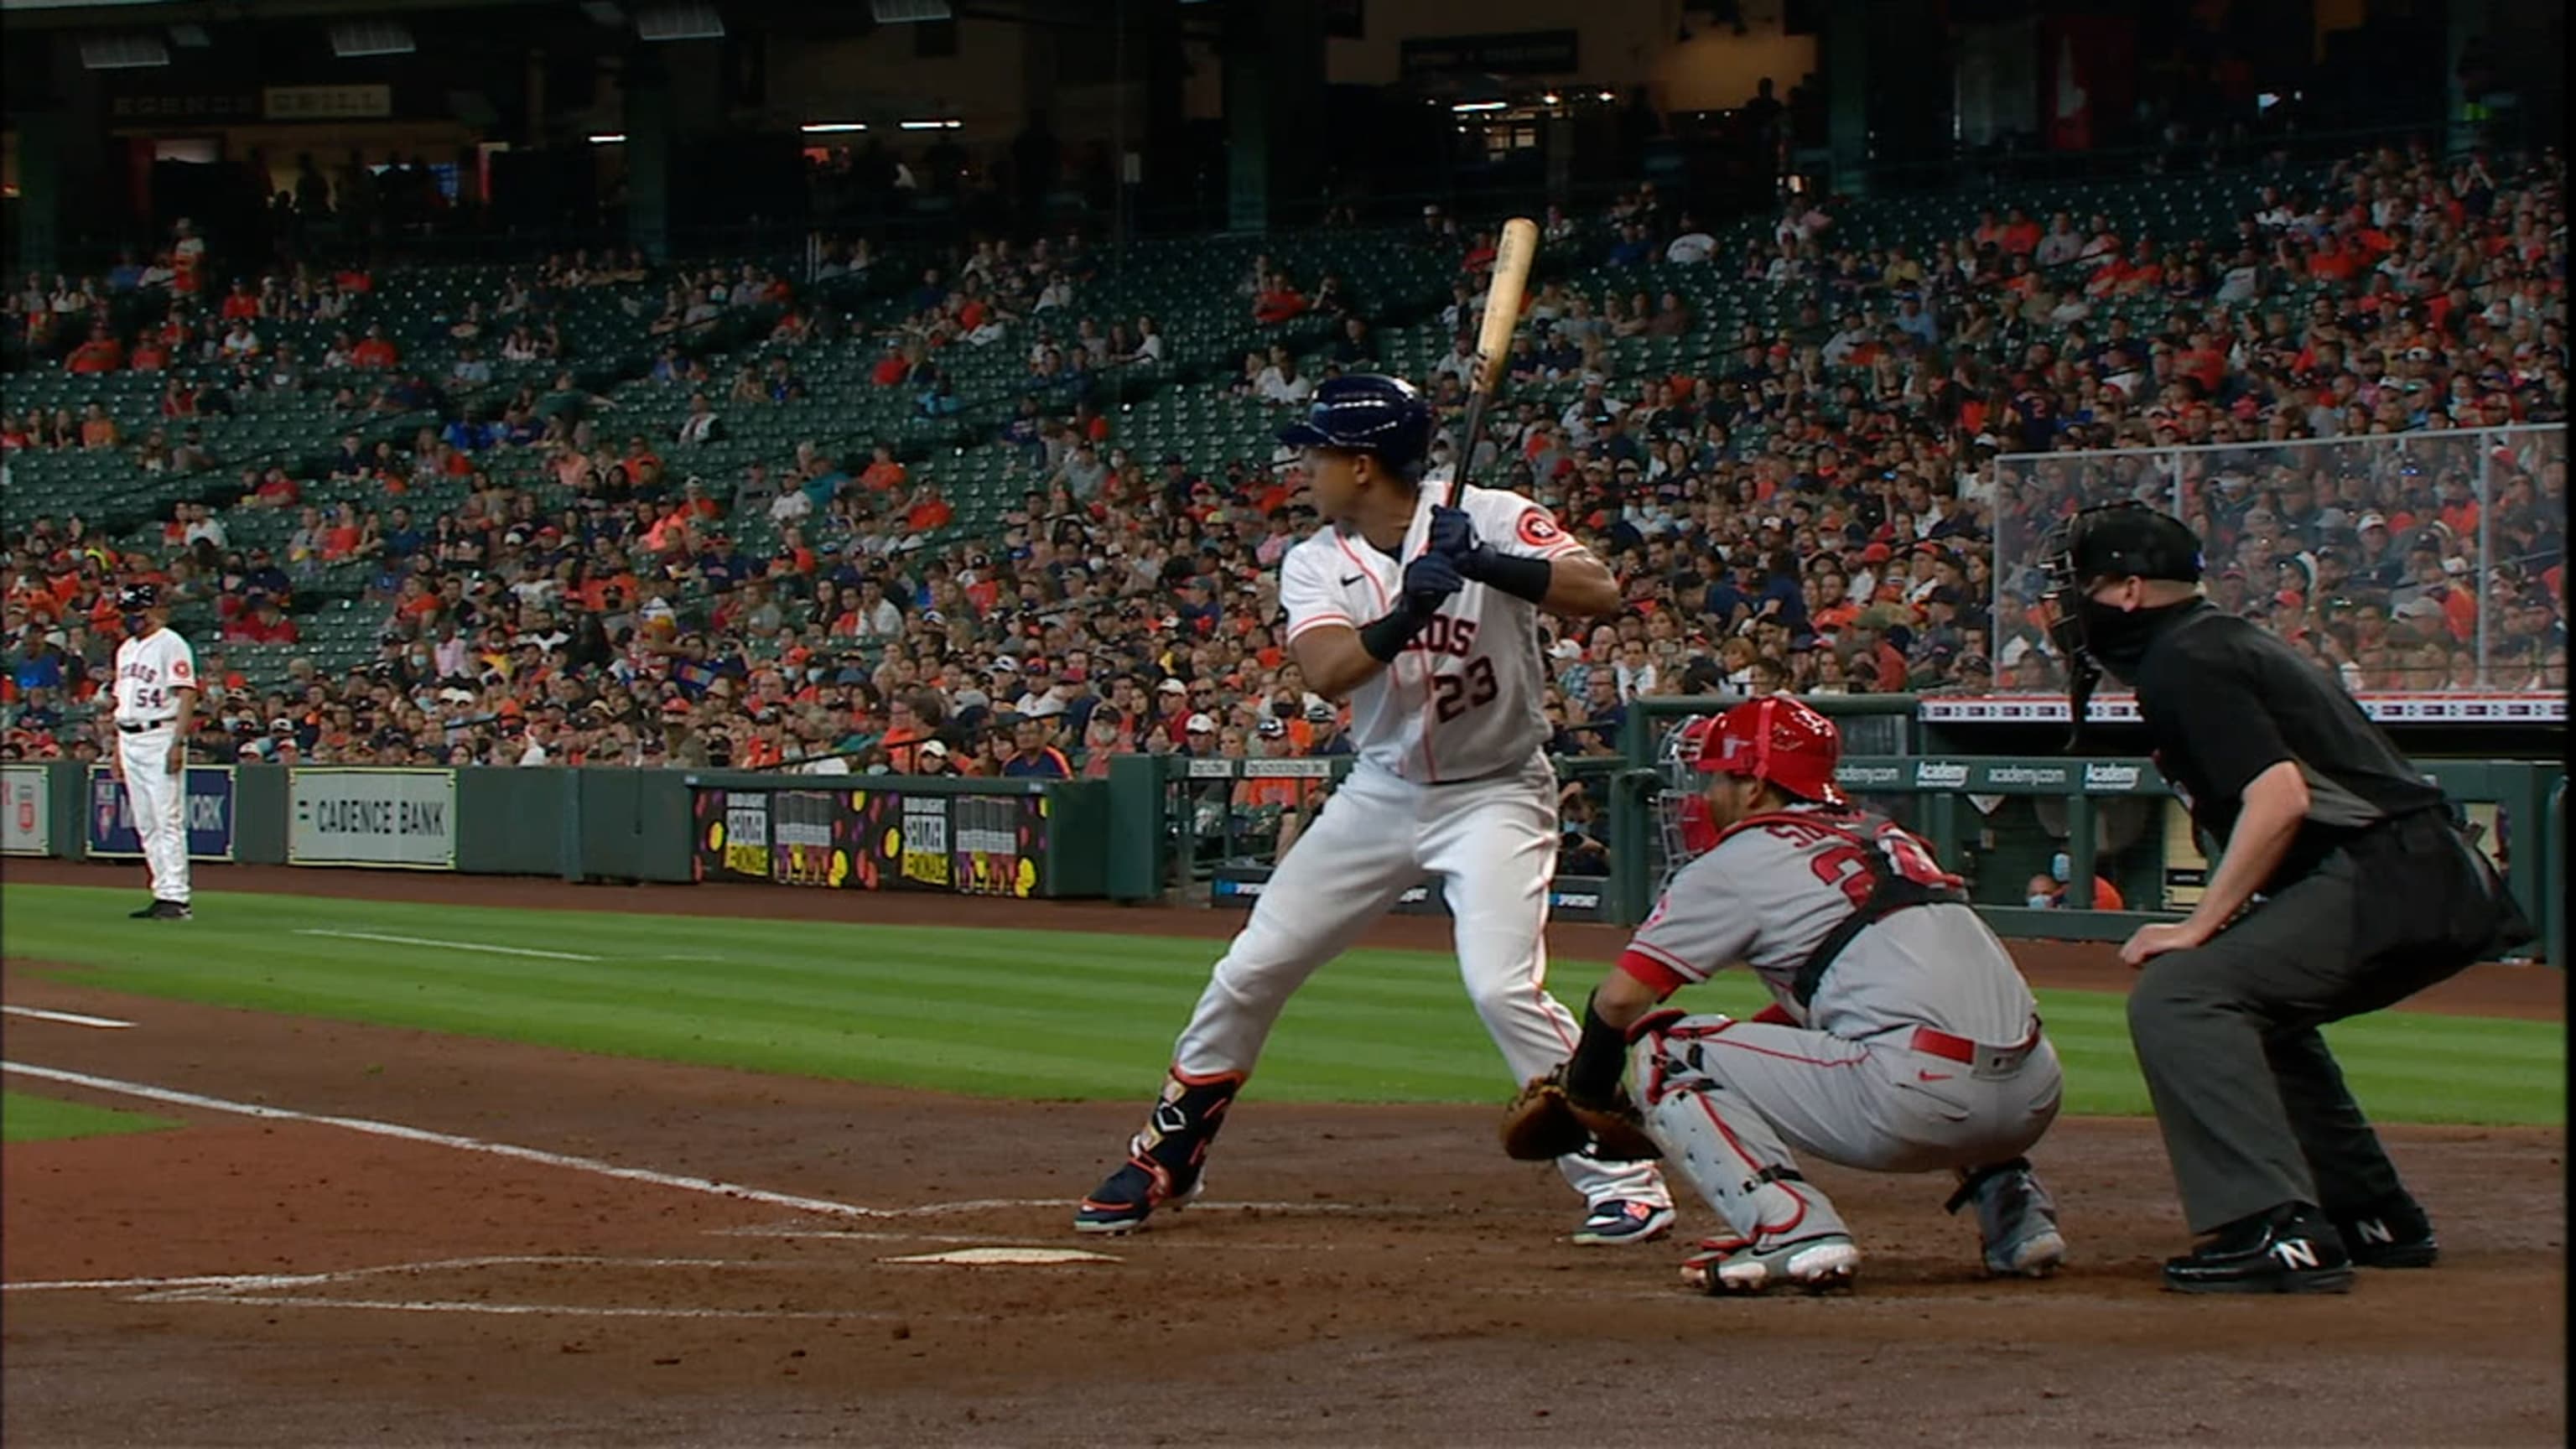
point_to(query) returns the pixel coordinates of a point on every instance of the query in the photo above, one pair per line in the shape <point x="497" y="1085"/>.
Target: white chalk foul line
<point x="711" y="1186"/>
<point x="219" y="1282"/>
<point x="450" y="945"/>
<point x="561" y="1310"/>
<point x="67" y="1018"/>
<point x="218" y="1285"/>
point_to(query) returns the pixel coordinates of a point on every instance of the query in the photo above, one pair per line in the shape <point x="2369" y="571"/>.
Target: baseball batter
<point x="156" y="702"/>
<point x="1901" y="1037"/>
<point x="1425" y="617"/>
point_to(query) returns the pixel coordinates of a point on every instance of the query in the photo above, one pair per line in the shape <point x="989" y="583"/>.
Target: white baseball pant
<point x="157" y="797"/>
<point x="1492" y="843"/>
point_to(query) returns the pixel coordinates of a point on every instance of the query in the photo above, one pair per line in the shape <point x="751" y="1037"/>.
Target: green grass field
<point x="42" y="1119"/>
<point x="1019" y="1013"/>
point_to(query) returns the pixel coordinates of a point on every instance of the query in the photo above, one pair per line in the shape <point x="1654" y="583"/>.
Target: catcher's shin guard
<point x="1164" y="1160"/>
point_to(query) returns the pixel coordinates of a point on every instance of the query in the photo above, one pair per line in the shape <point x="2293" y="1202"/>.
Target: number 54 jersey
<point x="1465" y="700"/>
<point x="1775" y="886"/>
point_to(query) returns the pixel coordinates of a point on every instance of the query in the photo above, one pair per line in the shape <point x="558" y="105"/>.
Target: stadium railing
<point x="2222" y="489"/>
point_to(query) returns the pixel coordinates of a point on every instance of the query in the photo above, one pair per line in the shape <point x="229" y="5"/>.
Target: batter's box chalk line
<point x="266" y="1290"/>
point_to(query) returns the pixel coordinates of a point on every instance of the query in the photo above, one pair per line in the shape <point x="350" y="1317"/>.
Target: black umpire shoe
<point x="2392" y="1233"/>
<point x="2291" y="1249"/>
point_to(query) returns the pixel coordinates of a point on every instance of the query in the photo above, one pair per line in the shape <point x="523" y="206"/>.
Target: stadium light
<point x="1463" y="107"/>
<point x="950" y="124"/>
<point x="825" y="128"/>
<point x="679" y="20"/>
<point x="123" y="52"/>
<point x="609" y="138"/>
<point x="354" y="38"/>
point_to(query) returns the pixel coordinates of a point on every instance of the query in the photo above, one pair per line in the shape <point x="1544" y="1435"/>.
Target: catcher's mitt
<point x="1543" y="1123"/>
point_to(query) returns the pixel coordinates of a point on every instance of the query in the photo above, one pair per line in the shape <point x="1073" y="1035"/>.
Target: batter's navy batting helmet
<point x="1367" y="412"/>
<point x="134" y="598"/>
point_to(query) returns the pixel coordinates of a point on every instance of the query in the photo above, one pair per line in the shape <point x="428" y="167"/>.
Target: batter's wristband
<point x="1385" y="638"/>
<point x="1600" y="1059"/>
<point x="1522" y="578"/>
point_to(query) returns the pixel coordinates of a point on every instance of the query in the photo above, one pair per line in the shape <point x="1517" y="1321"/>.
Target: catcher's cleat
<point x="2394" y="1233"/>
<point x="1821" y="1264"/>
<point x="1122" y="1202"/>
<point x="1616" y="1222"/>
<point x="2016" y="1220"/>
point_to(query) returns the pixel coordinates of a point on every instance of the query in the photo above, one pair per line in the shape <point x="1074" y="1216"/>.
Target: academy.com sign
<point x="373" y="817"/>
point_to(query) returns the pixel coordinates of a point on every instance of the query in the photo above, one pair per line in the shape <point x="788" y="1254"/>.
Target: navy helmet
<point x="135" y="598"/>
<point x="1367" y="412"/>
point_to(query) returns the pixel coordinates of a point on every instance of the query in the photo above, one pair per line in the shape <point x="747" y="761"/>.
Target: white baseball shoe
<point x="1619" y="1221"/>
<point x="1819" y="1264"/>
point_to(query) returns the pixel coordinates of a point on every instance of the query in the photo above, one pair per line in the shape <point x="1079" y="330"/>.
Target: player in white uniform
<point x="1425" y="617"/>
<point x="1901" y="1036"/>
<point x="156" y="704"/>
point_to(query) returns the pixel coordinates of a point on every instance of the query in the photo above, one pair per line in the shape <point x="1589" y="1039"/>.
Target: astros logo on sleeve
<point x="1539" y="531"/>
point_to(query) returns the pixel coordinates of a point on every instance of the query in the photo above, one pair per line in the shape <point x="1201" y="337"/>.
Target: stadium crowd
<point x="1819" y="511"/>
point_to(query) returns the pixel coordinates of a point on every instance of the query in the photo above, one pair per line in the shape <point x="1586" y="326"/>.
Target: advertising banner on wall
<point x="1570" y="898"/>
<point x="732" y="834"/>
<point x="112" y="834"/>
<point x="875" y="840"/>
<point x="26" y="810"/>
<point x="387" y="817"/>
<point x="808" y="838"/>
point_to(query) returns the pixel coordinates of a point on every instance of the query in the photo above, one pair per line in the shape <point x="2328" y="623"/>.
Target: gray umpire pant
<point x="2253" y="1107"/>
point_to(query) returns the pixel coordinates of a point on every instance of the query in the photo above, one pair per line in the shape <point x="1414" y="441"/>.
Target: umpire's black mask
<point x="2117" y="541"/>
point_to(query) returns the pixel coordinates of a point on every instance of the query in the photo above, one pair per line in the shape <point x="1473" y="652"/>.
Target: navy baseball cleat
<point x="1123" y="1201"/>
<point x="1617" y="1221"/>
<point x="2392" y="1233"/>
<point x="2291" y="1249"/>
<point x="161" y="910"/>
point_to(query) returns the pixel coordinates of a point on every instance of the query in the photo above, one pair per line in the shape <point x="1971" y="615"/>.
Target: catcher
<point x="1901" y="1037"/>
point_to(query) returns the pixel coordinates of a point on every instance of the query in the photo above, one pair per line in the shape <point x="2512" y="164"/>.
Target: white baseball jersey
<point x="1465" y="699"/>
<point x="1773" y="888"/>
<point x="148" y="670"/>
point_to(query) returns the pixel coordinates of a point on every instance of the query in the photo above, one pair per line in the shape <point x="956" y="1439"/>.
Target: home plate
<point x="1003" y="1257"/>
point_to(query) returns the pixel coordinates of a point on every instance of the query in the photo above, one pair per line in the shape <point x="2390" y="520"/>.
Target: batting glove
<point x="1430" y="579"/>
<point x="1451" y="533"/>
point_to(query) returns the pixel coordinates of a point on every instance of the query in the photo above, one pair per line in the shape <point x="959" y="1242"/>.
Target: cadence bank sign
<point x="404" y="819"/>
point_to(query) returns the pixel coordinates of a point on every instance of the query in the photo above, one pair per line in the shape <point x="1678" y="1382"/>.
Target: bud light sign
<point x="209" y="807"/>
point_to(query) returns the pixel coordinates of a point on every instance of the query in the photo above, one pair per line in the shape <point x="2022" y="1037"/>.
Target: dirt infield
<point x="1361" y="1276"/>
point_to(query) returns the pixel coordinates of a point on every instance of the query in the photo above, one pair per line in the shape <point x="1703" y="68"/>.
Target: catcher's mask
<point x="2111" y="541"/>
<point x="1776" y="739"/>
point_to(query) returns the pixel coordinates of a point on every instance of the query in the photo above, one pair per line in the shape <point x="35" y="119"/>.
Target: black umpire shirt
<point x="2223" y="701"/>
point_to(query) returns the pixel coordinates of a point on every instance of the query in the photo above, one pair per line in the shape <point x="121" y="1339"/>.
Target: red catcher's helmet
<point x="1779" y="740"/>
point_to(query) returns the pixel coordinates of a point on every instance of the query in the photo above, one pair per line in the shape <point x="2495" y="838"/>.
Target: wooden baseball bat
<point x="1513" y="255"/>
